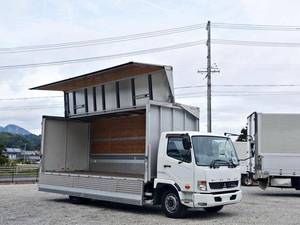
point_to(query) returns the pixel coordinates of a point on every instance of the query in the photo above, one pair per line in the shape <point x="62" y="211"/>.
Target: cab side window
<point x="176" y="150"/>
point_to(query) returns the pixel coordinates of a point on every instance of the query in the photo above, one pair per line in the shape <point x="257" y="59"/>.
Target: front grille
<point x="221" y="185"/>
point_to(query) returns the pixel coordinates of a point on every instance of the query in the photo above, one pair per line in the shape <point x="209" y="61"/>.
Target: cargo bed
<point x="111" y="156"/>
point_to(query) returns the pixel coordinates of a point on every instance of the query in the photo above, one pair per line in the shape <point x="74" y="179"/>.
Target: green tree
<point x="243" y="136"/>
<point x="3" y="159"/>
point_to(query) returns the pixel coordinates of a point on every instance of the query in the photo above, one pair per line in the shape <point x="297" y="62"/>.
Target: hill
<point x="32" y="142"/>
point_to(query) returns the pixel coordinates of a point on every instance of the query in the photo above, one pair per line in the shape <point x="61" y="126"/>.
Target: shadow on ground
<point x="276" y="194"/>
<point x="145" y="210"/>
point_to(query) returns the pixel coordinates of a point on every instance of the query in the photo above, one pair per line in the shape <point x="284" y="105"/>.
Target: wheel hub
<point x="171" y="203"/>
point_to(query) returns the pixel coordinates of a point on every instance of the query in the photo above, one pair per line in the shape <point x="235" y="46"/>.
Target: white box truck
<point x="276" y="147"/>
<point x="123" y="139"/>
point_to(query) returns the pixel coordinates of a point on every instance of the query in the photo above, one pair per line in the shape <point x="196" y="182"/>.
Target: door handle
<point x="165" y="166"/>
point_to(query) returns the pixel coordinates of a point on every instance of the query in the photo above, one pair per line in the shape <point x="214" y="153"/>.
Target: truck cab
<point x="196" y="170"/>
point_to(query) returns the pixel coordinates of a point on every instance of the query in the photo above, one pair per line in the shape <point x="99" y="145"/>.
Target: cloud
<point x="56" y="21"/>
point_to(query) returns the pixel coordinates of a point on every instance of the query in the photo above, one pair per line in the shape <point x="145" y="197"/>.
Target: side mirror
<point x="186" y="141"/>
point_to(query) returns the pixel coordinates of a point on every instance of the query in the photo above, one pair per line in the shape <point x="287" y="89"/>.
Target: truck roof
<point x="105" y="75"/>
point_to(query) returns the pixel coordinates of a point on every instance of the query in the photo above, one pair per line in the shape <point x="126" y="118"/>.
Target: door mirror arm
<point x="186" y="141"/>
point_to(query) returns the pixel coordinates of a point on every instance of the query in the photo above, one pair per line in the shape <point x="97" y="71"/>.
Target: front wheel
<point x="172" y="206"/>
<point x="214" y="209"/>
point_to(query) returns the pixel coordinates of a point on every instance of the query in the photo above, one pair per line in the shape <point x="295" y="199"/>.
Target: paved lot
<point x="23" y="204"/>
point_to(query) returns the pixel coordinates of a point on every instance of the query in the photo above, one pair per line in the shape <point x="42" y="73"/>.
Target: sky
<point x="25" y="23"/>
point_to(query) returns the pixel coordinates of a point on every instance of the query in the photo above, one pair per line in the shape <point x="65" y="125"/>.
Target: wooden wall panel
<point x="119" y="147"/>
<point x="124" y="126"/>
<point x="118" y="135"/>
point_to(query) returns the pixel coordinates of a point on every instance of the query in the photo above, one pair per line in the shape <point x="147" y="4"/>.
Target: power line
<point x="256" y="43"/>
<point x="236" y="95"/>
<point x="255" y="27"/>
<point x="109" y="40"/>
<point x="136" y="36"/>
<point x="247" y="92"/>
<point x="29" y="98"/>
<point x="218" y="91"/>
<point x="30" y="107"/>
<point x="149" y="51"/>
<point x="239" y="85"/>
<point x="112" y="56"/>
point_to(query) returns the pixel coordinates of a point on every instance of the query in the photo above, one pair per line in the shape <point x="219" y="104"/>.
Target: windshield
<point x="214" y="150"/>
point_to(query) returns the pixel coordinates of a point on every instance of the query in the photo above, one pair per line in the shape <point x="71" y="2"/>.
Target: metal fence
<point x="19" y="174"/>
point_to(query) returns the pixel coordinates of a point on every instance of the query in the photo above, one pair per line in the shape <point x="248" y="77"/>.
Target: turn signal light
<point x="202" y="185"/>
<point x="187" y="186"/>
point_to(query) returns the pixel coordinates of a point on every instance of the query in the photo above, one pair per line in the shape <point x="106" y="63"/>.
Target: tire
<point x="77" y="200"/>
<point x="172" y="206"/>
<point x="214" y="209"/>
<point x="296" y="183"/>
<point x="247" y="180"/>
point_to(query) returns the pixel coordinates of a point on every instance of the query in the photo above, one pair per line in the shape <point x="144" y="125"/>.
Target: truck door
<point x="178" y="164"/>
<point x="65" y="144"/>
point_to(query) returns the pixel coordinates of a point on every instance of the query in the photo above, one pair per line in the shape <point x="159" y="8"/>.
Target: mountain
<point x="13" y="136"/>
<point x="34" y="140"/>
<point x="14" y="129"/>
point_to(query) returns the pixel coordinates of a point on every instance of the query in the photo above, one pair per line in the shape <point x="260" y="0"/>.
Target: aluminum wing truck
<point x="124" y="139"/>
<point x="276" y="148"/>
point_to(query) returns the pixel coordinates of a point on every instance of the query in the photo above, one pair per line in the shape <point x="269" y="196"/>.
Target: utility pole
<point x="24" y="152"/>
<point x="208" y="71"/>
<point x="208" y="77"/>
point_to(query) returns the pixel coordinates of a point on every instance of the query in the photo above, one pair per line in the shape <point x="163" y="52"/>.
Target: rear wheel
<point x="296" y="183"/>
<point x="172" y="206"/>
<point x="247" y="180"/>
<point x="214" y="209"/>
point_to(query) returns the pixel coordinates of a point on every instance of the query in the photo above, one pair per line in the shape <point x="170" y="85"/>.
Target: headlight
<point x="202" y="185"/>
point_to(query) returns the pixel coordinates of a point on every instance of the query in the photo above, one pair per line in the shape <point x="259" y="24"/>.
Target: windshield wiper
<point x="232" y="164"/>
<point x="213" y="162"/>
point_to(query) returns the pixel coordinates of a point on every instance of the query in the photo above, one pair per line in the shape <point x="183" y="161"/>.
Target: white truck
<point x="276" y="147"/>
<point x="246" y="162"/>
<point x="123" y="139"/>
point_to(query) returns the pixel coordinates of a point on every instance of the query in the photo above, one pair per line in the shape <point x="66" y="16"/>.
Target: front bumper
<point x="210" y="200"/>
<point x="203" y="200"/>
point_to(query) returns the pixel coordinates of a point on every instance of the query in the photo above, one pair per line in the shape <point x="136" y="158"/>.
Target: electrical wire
<point x="150" y="34"/>
<point x="153" y="50"/>
<point x="104" y="57"/>
<point x="31" y="107"/>
<point x="255" y="27"/>
<point x="188" y="87"/>
<point x="255" y="43"/>
<point x="239" y="85"/>
<point x="109" y="40"/>
<point x="236" y="95"/>
<point x="242" y="93"/>
<point x="29" y="98"/>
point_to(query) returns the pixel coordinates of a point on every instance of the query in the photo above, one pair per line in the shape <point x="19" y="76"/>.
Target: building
<point x="31" y="156"/>
<point x="13" y="153"/>
<point x="18" y="154"/>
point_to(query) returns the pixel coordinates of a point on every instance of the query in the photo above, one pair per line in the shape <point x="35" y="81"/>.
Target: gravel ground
<point x="23" y="204"/>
